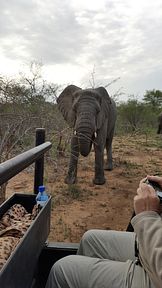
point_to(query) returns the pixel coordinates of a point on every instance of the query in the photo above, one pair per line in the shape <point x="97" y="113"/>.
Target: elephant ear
<point x="105" y="102"/>
<point x="65" y="103"/>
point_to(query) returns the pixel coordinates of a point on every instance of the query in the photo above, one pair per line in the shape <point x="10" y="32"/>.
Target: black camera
<point x="157" y="188"/>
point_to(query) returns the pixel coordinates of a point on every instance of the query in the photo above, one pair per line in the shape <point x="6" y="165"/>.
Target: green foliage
<point x="131" y="114"/>
<point x="134" y="115"/>
<point x="153" y="98"/>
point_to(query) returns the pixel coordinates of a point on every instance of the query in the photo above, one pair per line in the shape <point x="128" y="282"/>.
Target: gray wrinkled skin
<point x="92" y="114"/>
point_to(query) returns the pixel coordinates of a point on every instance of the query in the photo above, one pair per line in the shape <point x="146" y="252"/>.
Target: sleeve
<point x="148" y="227"/>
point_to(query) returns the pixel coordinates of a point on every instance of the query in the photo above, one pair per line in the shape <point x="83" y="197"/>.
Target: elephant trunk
<point x="85" y="138"/>
<point x="85" y="148"/>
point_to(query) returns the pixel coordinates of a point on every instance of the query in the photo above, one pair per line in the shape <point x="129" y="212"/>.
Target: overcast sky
<point x="73" y="38"/>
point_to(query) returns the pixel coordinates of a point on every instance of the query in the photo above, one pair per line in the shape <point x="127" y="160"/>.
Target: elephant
<point x="159" y="131"/>
<point x="92" y="115"/>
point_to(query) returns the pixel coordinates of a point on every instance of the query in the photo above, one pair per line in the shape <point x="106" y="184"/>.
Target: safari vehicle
<point x="29" y="264"/>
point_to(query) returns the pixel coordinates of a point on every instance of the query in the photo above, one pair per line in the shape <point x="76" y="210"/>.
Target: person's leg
<point x="108" y="244"/>
<point x="77" y="271"/>
<point x="95" y="270"/>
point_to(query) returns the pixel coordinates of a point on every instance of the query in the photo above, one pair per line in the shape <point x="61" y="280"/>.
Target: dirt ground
<point x="84" y="205"/>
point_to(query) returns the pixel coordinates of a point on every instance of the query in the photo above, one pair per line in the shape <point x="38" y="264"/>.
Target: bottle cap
<point x="41" y="188"/>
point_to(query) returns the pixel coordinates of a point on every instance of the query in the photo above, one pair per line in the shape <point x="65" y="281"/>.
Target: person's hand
<point x="146" y="198"/>
<point x="157" y="179"/>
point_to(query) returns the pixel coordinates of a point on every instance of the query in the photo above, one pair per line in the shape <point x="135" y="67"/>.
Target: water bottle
<point x="42" y="196"/>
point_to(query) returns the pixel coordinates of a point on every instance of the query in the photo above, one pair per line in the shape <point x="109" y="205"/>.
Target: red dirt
<point x="83" y="206"/>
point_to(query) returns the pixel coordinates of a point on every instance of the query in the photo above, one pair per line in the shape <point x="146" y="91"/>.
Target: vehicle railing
<point x="13" y="166"/>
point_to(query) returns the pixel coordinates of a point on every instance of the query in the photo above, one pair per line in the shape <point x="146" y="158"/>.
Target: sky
<point x="85" y="42"/>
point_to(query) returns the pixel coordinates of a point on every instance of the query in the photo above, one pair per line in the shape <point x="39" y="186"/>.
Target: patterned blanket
<point x="13" y="225"/>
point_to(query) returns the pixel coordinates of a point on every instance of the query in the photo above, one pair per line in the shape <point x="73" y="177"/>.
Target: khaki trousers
<point x="105" y="259"/>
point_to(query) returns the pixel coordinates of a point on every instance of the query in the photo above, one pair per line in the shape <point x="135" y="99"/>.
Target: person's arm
<point x="148" y="226"/>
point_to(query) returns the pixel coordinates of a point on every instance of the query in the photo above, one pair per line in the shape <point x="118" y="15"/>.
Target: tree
<point x="24" y="105"/>
<point x="153" y="98"/>
<point x="131" y="115"/>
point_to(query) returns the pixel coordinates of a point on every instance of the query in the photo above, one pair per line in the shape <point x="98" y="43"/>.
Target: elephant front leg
<point x="99" y="166"/>
<point x="72" y="172"/>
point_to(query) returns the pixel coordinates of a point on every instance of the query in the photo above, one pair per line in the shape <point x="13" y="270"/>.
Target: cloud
<point x="120" y="38"/>
<point x="43" y="30"/>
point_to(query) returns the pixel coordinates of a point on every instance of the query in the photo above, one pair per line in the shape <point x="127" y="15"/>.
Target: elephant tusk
<point x="95" y="134"/>
<point x="75" y="133"/>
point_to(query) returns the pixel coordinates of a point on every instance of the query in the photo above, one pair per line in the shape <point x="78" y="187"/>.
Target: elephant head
<point x="85" y="110"/>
